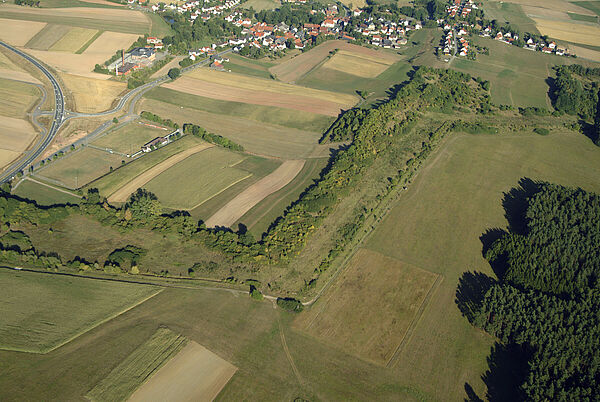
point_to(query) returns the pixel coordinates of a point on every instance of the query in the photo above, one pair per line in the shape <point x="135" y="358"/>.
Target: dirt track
<point x="124" y="192"/>
<point x="243" y="202"/>
<point x="194" y="374"/>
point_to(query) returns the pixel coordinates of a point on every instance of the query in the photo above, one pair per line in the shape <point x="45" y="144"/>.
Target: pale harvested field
<point x="546" y="13"/>
<point x="194" y="374"/>
<point x="73" y="40"/>
<point x="15" y="134"/>
<point x="370" y="308"/>
<point x="243" y="202"/>
<point x="17" y="32"/>
<point x="225" y="92"/>
<point x="555" y="5"/>
<point x="78" y="64"/>
<point x="92" y="95"/>
<point x="585" y="53"/>
<point x="109" y="14"/>
<point x="17" y="98"/>
<point x="124" y="192"/>
<point x="294" y="69"/>
<point x="11" y="71"/>
<point x="356" y="64"/>
<point x="109" y="42"/>
<point x="7" y="157"/>
<point x="568" y="31"/>
<point x="260" y="84"/>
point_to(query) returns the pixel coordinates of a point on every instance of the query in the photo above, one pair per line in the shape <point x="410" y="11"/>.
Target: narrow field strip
<point x="123" y="193"/>
<point x="236" y="208"/>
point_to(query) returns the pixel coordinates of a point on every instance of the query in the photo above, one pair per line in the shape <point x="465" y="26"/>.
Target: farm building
<point x="155" y="143"/>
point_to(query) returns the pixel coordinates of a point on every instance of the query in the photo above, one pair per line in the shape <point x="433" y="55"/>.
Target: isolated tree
<point x="174" y="73"/>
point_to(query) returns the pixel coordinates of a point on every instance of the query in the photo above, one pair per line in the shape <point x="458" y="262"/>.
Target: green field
<point x="513" y="13"/>
<point x="41" y="313"/>
<point x="590" y="5"/>
<point x="256" y="137"/>
<point x="89" y="42"/>
<point x="242" y="65"/>
<point x="117" y="179"/>
<point x="259" y="218"/>
<point x="129" y="138"/>
<point x="198" y="178"/>
<point x="583" y="17"/>
<point x="259" y="5"/>
<point x="437" y="224"/>
<point x="264" y="114"/>
<point x="159" y="27"/>
<point x="80" y="167"/>
<point x="138" y="366"/>
<point x="17" y="98"/>
<point x="47" y="37"/>
<point x="44" y="195"/>
<point x="132" y="27"/>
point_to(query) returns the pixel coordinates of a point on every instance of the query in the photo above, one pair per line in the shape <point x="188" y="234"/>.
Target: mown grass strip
<point x="88" y="43"/>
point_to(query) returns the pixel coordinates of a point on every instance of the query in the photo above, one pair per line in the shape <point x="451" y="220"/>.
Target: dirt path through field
<point x="194" y="374"/>
<point x="236" y="208"/>
<point x="124" y="192"/>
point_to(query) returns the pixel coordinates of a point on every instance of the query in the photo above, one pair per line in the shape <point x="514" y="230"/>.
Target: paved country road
<point x="48" y="136"/>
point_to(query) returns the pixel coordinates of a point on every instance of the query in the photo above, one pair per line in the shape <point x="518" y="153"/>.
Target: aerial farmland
<point x="299" y="200"/>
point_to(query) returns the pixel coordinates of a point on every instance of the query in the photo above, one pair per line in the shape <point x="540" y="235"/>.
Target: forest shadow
<point x="472" y="287"/>
<point x="508" y="364"/>
<point x="514" y="203"/>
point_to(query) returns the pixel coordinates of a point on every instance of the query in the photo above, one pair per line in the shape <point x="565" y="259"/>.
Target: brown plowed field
<point x="124" y="192"/>
<point x="292" y="70"/>
<point x="229" y="93"/>
<point x="17" y="32"/>
<point x="243" y="202"/>
<point x="194" y="374"/>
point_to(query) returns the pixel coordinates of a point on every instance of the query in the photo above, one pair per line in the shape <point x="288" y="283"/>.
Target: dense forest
<point x="545" y="304"/>
<point x="575" y="92"/>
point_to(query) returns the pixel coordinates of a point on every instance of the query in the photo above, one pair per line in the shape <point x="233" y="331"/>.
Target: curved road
<point x="59" y="110"/>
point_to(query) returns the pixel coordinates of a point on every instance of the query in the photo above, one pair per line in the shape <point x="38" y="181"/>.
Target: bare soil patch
<point x="359" y="65"/>
<point x="293" y="69"/>
<point x="243" y="202"/>
<point x="124" y="192"/>
<point x="17" y="32"/>
<point x="229" y="93"/>
<point x="194" y="374"/>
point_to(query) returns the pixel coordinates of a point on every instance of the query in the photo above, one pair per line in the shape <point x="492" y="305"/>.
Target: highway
<point x="48" y="137"/>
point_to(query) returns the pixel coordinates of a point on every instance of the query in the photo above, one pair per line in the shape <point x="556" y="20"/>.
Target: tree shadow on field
<point x="515" y="204"/>
<point x="472" y="287"/>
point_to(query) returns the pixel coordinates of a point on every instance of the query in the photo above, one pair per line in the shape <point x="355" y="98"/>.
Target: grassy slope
<point x="590" y="5"/>
<point x="43" y="195"/>
<point x="284" y="117"/>
<point x="130" y="138"/>
<point x="437" y="224"/>
<point x="513" y="13"/>
<point x="40" y="313"/>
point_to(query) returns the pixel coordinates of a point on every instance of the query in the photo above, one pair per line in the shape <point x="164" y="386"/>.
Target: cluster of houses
<point x="261" y="35"/>
<point x="460" y="8"/>
<point x="454" y="39"/>
<point x="205" y="12"/>
<point x="540" y="45"/>
<point x="385" y="33"/>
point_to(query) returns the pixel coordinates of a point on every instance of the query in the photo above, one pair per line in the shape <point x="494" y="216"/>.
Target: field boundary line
<point x="219" y="192"/>
<point x="393" y="360"/>
<point x="52" y="187"/>
<point x="94" y="325"/>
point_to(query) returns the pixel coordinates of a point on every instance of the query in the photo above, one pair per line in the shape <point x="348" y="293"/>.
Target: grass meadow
<point x="437" y="224"/>
<point x="44" y="195"/>
<point x="511" y="12"/>
<point x="74" y="40"/>
<point x="264" y="114"/>
<point x="41" y="313"/>
<point x="129" y="138"/>
<point x="202" y="176"/>
<point x="112" y="182"/>
<point x="48" y="36"/>
<point x="256" y="137"/>
<point x="76" y="169"/>
<point x="132" y="372"/>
